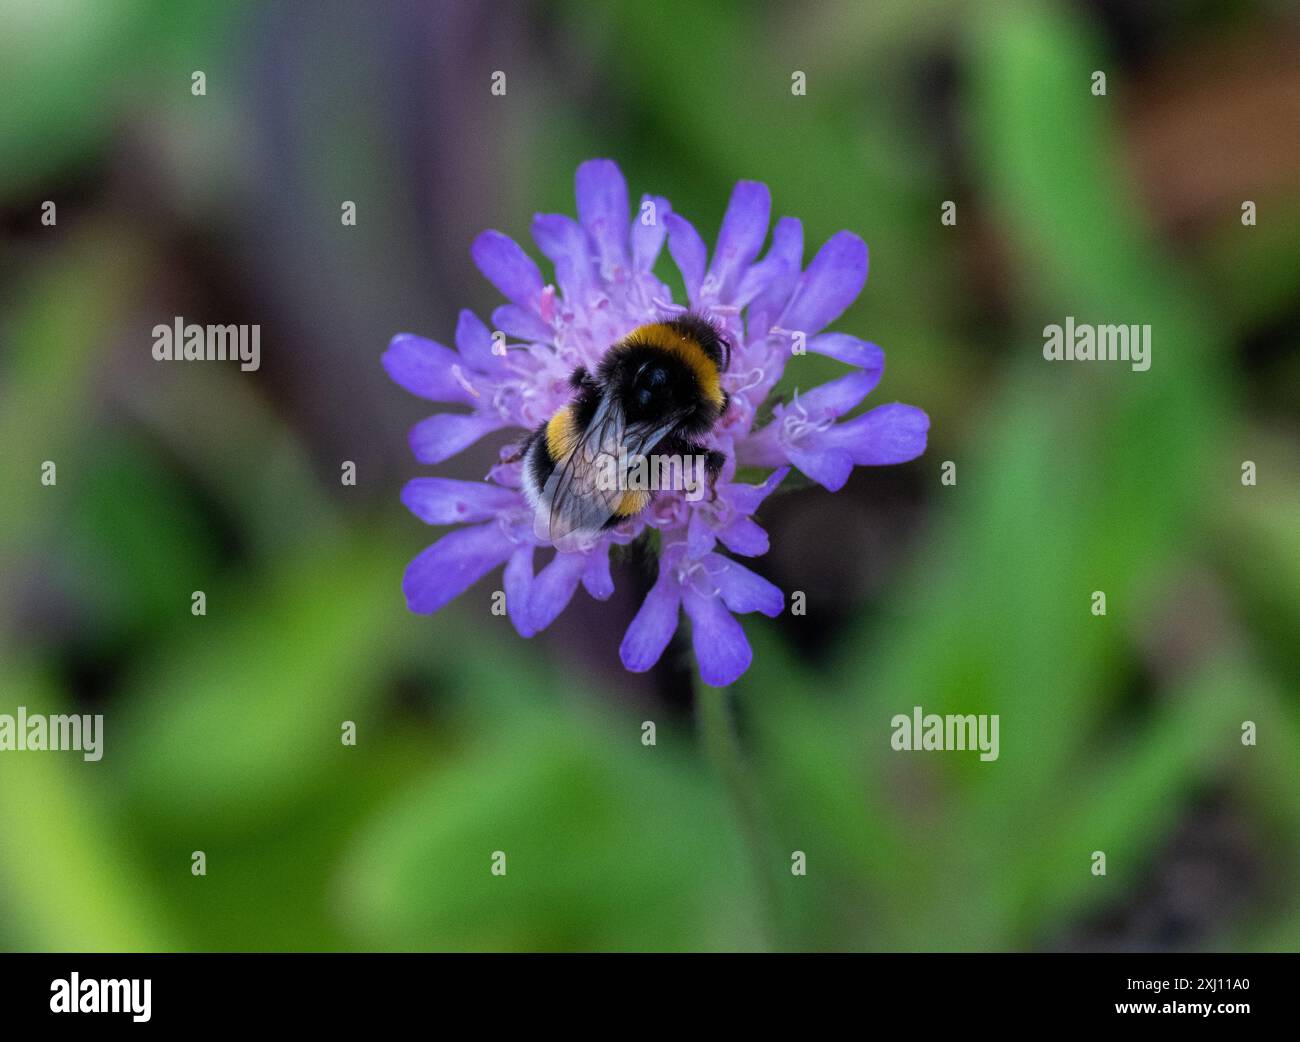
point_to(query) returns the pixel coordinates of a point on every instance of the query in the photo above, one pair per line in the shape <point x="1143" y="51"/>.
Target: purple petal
<point x="452" y="565"/>
<point x="832" y="282"/>
<point x="763" y="448"/>
<point x="699" y="536"/>
<point x="767" y="286"/>
<point x="654" y="625"/>
<point x="522" y="324"/>
<point x="602" y="209"/>
<point x="518" y="581"/>
<point x="837" y="396"/>
<point x="445" y="501"/>
<point x="564" y="243"/>
<point x="744" y="227"/>
<point x="849" y="349"/>
<point x="648" y="238"/>
<point x="745" y="536"/>
<point x="506" y="474"/>
<point x="719" y="641"/>
<point x="596" y="579"/>
<point x="474" y="342"/>
<point x="689" y="253"/>
<point x="508" y="268"/>
<point x="745" y="499"/>
<point x="553" y="588"/>
<point x="428" y="369"/>
<point x="442" y="436"/>
<point x="887" y="434"/>
<point x="830" y="467"/>
<point x="745" y="591"/>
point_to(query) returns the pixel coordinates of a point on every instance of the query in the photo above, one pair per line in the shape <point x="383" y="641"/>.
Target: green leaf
<point x="608" y="844"/>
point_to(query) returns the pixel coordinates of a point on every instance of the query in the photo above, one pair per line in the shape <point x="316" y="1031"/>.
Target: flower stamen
<point x="458" y="374"/>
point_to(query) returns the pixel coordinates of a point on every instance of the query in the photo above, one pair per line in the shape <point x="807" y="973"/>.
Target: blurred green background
<point x="1120" y="734"/>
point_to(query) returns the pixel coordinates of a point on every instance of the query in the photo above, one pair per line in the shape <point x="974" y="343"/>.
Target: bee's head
<point x="650" y="384"/>
<point x="670" y="371"/>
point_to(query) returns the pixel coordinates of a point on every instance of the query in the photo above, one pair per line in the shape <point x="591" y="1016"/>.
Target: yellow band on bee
<point x="561" y="434"/>
<point x="666" y="338"/>
<point x="632" y="503"/>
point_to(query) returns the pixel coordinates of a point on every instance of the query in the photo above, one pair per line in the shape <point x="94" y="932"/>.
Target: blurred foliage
<point x="67" y="65"/>
<point x="223" y="731"/>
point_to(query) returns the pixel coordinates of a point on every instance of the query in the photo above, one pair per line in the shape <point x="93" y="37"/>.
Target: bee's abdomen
<point x="629" y="505"/>
<point x="538" y="463"/>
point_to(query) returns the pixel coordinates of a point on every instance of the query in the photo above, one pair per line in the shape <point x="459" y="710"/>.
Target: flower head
<point x="605" y="287"/>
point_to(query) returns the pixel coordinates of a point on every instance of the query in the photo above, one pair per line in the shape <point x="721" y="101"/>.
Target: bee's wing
<point x="584" y="490"/>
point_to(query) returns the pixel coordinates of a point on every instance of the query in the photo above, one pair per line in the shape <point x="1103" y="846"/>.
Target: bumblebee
<point x="654" y="394"/>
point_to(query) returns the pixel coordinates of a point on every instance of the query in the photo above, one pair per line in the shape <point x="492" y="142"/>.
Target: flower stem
<point x="718" y="734"/>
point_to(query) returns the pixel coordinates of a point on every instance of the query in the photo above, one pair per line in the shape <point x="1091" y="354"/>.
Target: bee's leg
<point x="713" y="463"/>
<point x="690" y="452"/>
<point x="582" y="380"/>
<point x="520" y="449"/>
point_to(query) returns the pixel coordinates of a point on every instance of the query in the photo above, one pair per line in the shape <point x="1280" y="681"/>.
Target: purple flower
<point x="605" y="286"/>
